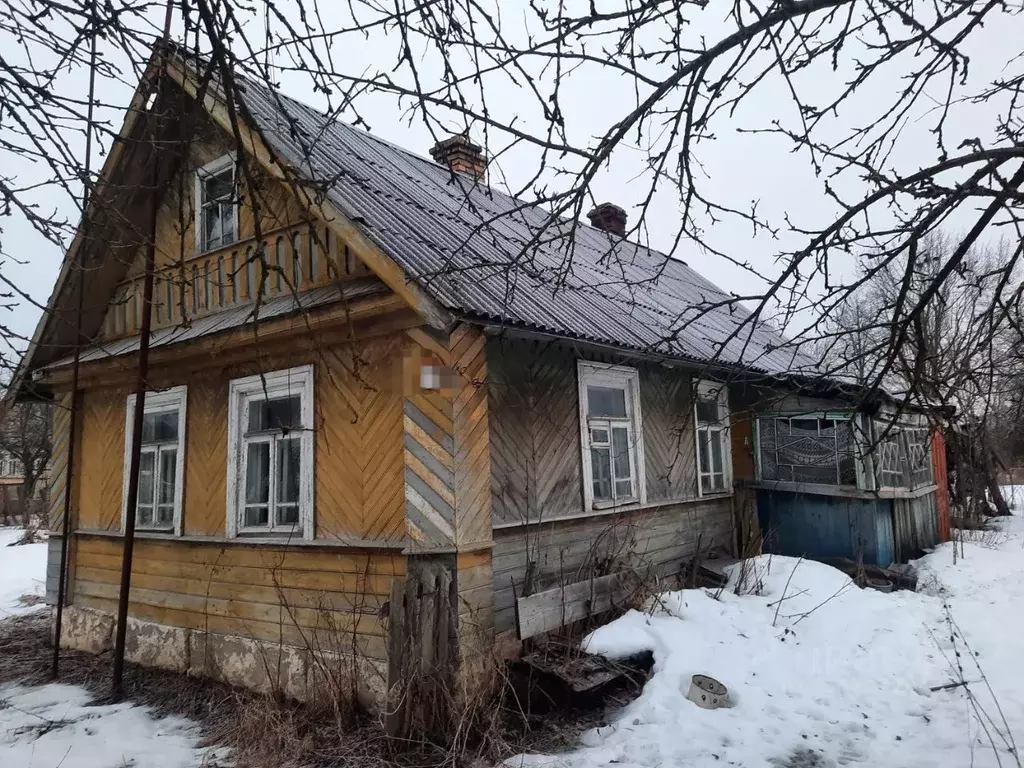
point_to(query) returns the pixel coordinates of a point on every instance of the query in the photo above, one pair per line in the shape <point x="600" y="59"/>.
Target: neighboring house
<point x="12" y="476"/>
<point x="418" y="404"/>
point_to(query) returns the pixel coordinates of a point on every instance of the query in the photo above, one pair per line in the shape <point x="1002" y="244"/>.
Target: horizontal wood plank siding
<point x="266" y="593"/>
<point x="655" y="543"/>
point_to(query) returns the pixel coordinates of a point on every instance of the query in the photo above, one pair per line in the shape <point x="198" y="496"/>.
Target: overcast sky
<point x="739" y="167"/>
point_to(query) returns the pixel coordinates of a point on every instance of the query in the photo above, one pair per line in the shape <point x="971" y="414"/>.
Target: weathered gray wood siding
<point x="535" y="432"/>
<point x="915" y="526"/>
<point x="536" y="478"/>
<point x="655" y="543"/>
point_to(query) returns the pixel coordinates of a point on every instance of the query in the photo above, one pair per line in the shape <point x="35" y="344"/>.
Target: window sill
<point x="608" y="511"/>
<point x="249" y="541"/>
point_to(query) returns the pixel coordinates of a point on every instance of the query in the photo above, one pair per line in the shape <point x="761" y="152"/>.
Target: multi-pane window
<point x="807" y="448"/>
<point x="711" y="412"/>
<point x="611" y="431"/>
<point x="216" y="211"/>
<point x="271" y="451"/>
<point x="161" y="461"/>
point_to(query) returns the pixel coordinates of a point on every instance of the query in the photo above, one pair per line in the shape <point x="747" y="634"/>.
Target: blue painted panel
<point x="826" y="526"/>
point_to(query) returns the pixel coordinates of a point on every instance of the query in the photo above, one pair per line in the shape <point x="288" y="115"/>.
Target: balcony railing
<point x="297" y="258"/>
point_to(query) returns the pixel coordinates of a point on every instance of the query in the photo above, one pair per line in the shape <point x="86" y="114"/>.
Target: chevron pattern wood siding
<point x="534" y="431"/>
<point x="669" y="441"/>
<point x="99" y="475"/>
<point x="447" y="454"/>
<point x="59" y="460"/>
<point x="359" y="445"/>
<point x="206" y="450"/>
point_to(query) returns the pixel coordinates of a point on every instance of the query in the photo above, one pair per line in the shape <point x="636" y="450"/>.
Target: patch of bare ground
<point x="264" y="732"/>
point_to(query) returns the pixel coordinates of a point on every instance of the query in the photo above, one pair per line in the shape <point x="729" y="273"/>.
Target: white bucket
<point x="708" y="693"/>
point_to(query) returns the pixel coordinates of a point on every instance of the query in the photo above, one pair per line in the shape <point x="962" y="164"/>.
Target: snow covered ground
<point x="22" y="572"/>
<point x="822" y="673"/>
<point x="57" y="725"/>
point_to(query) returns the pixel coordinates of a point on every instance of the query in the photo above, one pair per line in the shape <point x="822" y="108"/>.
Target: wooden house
<point x="373" y="380"/>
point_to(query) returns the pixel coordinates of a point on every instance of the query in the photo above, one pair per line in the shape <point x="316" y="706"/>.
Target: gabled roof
<point x="476" y="250"/>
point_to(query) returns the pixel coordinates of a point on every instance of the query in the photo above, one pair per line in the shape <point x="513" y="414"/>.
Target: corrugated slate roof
<point x="476" y="250"/>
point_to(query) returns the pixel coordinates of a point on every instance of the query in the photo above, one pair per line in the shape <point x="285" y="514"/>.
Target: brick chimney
<point x="461" y="155"/>
<point x="610" y="218"/>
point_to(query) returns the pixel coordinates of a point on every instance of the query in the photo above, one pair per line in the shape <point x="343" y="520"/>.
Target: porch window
<point x="903" y="455"/>
<point x="161" y="460"/>
<point x="612" y="435"/>
<point x="714" y="457"/>
<point x="216" y="204"/>
<point x="807" y="448"/>
<point x="270" y="454"/>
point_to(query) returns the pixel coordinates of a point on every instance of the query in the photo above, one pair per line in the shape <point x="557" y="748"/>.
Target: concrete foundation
<point x="260" y="666"/>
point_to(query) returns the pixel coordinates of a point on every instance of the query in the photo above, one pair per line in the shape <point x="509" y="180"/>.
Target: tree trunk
<point x="25" y="493"/>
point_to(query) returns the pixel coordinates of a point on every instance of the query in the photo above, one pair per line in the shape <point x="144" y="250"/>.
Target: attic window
<point x="217" y="208"/>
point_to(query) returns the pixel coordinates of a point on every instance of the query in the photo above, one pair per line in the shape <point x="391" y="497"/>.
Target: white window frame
<point x="162" y="400"/>
<point x="290" y="381"/>
<point x="714" y="390"/>
<point x="619" y="377"/>
<point x="210" y="169"/>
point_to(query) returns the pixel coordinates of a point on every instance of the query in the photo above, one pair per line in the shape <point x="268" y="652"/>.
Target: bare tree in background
<point x="958" y="356"/>
<point x="876" y="99"/>
<point x="25" y="436"/>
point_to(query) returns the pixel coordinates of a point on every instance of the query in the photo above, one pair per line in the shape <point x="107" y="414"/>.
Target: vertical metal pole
<point x="131" y="501"/>
<point x="73" y="415"/>
<point x="136" y="453"/>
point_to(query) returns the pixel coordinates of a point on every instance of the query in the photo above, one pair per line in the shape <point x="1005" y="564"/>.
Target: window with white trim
<point x="714" y="457"/>
<point x="270" y="454"/>
<point x="216" y="204"/>
<point x="611" y="432"/>
<point x="161" y="460"/>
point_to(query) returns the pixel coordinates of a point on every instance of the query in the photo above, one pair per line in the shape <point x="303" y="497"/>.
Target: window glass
<point x="602" y="472"/>
<point x="623" y="470"/>
<point x="606" y="401"/>
<point x="276" y="413"/>
<point x="146" y="482"/>
<point x="707" y="411"/>
<point x="160" y="427"/>
<point x="288" y="465"/>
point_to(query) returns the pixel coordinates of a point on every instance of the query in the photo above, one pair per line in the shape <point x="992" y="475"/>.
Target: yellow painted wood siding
<point x="359" y="491"/>
<point x="297" y="596"/>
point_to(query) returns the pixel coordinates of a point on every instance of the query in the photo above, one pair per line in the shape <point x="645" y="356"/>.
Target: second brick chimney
<point x="461" y="155"/>
<point x="610" y="218"/>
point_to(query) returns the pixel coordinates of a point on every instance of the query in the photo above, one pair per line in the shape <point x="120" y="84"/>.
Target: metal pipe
<point x="73" y="415"/>
<point x="131" y="501"/>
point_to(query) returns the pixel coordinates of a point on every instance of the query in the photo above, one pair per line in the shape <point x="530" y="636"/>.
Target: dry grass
<point x="267" y="733"/>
